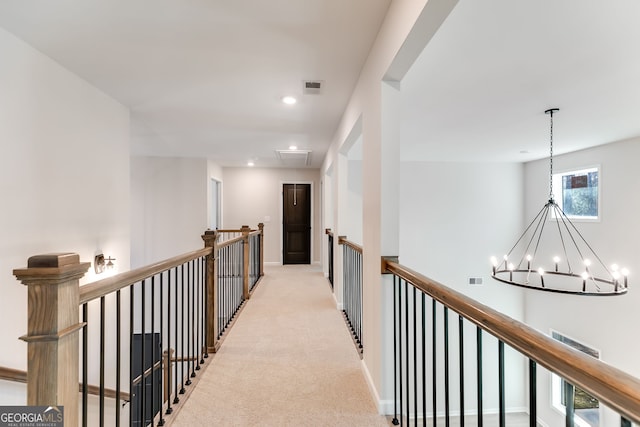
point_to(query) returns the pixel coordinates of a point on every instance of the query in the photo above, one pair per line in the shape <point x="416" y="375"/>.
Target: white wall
<point x="353" y="227"/>
<point x="170" y="209"/>
<point x="451" y="221"/>
<point x="254" y="195"/>
<point x="64" y="176"/>
<point x="607" y="324"/>
<point x="407" y="27"/>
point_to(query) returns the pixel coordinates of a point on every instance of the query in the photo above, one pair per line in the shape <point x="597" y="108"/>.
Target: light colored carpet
<point x="288" y="361"/>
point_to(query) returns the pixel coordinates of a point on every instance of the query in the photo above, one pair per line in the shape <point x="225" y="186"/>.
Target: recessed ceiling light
<point x="293" y="147"/>
<point x="289" y="100"/>
<point x="250" y="163"/>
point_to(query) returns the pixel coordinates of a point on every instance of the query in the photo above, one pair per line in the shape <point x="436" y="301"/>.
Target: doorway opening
<point x="296" y="223"/>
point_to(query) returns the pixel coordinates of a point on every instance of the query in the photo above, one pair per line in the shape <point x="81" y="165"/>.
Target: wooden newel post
<point x="210" y="238"/>
<point x="245" y="229"/>
<point x="261" y="228"/>
<point x="52" y="331"/>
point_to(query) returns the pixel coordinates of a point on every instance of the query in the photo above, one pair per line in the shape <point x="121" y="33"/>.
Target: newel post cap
<point x="52" y="268"/>
<point x="210" y="237"/>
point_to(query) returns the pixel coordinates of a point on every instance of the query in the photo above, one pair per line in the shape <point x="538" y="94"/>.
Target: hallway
<point x="287" y="361"/>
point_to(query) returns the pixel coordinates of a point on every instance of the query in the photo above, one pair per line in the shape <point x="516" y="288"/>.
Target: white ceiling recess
<point x="206" y="78"/>
<point x="479" y="89"/>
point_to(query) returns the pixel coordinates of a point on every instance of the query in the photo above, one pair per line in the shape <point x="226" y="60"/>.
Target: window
<point x="587" y="412"/>
<point x="578" y="193"/>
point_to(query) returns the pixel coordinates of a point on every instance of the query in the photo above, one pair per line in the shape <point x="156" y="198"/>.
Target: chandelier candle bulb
<point x="585" y="276"/>
<point x="529" y="262"/>
<point x="541" y="272"/>
<point x="625" y="273"/>
<point x="556" y="259"/>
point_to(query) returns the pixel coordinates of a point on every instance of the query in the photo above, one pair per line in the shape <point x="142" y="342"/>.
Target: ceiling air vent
<point x="312" y="87"/>
<point x="294" y="158"/>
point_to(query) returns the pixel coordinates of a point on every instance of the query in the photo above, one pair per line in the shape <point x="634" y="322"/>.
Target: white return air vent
<point x="294" y="158"/>
<point x="312" y="87"/>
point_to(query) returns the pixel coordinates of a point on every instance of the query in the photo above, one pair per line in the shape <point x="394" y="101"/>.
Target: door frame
<point x="311" y="219"/>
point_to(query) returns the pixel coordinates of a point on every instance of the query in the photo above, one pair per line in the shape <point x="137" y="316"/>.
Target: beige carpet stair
<point x="288" y="361"/>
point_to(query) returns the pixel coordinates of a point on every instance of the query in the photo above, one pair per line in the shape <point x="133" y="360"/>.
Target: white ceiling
<point x="206" y="77"/>
<point x="479" y="90"/>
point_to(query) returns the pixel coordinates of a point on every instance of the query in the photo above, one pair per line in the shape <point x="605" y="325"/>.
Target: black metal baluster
<point x="131" y="358"/>
<point x="160" y="394"/>
<point x="424" y="362"/>
<point x="501" y="383"/>
<point x="415" y="359"/>
<point x="102" y="350"/>
<point x="205" y="308"/>
<point x="189" y="314"/>
<point x="143" y="400"/>
<point x="176" y="399"/>
<point x="220" y="290"/>
<point x="194" y="307"/>
<point x="533" y="395"/>
<point x="199" y="312"/>
<point x="434" y="355"/>
<point x="168" y="367"/>
<point x="569" y="396"/>
<point x="118" y="354"/>
<point x="153" y="346"/>
<point x="479" y="374"/>
<point x="181" y="358"/>
<point x="400" y="376"/>
<point x="85" y="363"/>
<point x="395" y="349"/>
<point x="461" y="353"/>
<point x="446" y="366"/>
<point x="408" y="351"/>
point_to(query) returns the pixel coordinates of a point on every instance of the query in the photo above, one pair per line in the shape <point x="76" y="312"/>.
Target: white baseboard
<point x="273" y="263"/>
<point x="372" y="387"/>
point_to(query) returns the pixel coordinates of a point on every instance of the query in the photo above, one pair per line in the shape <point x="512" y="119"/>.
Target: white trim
<point x="372" y="387"/>
<point x="273" y="263"/>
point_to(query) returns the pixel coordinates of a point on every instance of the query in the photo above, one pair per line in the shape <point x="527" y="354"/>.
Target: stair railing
<point x="142" y="336"/>
<point x="352" y="288"/>
<point x="428" y="316"/>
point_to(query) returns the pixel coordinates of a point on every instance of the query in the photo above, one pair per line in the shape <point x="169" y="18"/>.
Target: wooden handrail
<point x="229" y="242"/>
<point x="16" y="375"/>
<point x="111" y="284"/>
<point x="342" y="240"/>
<point x="328" y="231"/>
<point x="612" y="386"/>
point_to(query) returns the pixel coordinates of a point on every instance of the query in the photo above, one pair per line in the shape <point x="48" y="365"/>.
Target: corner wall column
<point x="52" y="332"/>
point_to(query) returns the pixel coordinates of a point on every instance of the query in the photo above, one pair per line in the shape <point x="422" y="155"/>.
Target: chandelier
<point x="577" y="269"/>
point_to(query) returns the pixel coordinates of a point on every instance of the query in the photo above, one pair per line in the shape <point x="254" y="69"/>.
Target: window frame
<point x="558" y="190"/>
<point x="556" y="382"/>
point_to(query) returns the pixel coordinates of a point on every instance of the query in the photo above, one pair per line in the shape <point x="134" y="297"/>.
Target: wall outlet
<point x="475" y="280"/>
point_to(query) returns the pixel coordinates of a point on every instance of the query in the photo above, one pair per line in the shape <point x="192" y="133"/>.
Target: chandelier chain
<point x="550" y="113"/>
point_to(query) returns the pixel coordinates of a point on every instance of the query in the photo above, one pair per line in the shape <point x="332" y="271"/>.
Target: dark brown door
<point x="296" y="223"/>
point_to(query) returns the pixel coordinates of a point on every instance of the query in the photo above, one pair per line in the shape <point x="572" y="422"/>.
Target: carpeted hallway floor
<point x="288" y="361"/>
